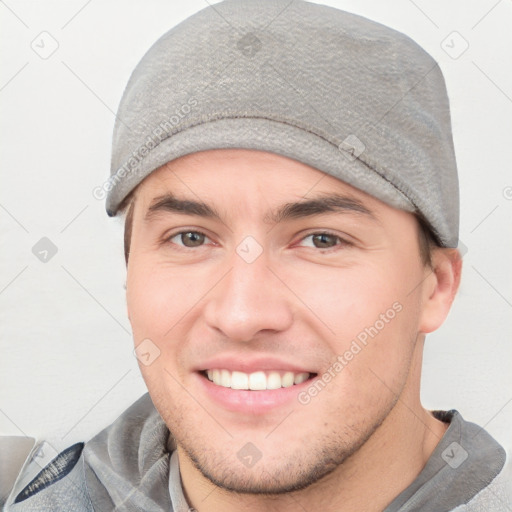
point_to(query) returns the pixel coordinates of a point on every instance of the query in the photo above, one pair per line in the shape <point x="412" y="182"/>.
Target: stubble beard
<point x="311" y="463"/>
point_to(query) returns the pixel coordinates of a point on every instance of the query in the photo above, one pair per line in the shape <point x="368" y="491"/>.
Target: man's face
<point x="255" y="270"/>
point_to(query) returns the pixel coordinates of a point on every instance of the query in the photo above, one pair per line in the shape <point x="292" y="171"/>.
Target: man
<point x="290" y="188"/>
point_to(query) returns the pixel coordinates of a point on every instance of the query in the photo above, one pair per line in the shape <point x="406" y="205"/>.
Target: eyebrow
<point x="326" y="203"/>
<point x="170" y="203"/>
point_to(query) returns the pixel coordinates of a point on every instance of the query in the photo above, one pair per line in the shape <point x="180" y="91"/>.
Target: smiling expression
<point x="253" y="274"/>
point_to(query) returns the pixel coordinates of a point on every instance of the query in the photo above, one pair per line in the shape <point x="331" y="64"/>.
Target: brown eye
<point x="324" y="240"/>
<point x="192" y="239"/>
<point x="189" y="239"/>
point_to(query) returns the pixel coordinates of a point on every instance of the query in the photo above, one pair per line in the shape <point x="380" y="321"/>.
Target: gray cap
<point x="343" y="94"/>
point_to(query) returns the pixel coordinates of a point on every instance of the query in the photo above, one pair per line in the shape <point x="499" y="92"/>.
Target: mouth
<point x="256" y="381"/>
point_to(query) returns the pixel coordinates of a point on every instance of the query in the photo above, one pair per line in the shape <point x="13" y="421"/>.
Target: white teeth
<point x="300" y="378"/>
<point x="287" y="380"/>
<point x="225" y="378"/>
<point x="256" y="381"/>
<point x="239" y="380"/>
<point x="273" y="380"/>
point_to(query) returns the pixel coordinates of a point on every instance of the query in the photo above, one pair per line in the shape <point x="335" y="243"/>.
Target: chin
<point x="279" y="475"/>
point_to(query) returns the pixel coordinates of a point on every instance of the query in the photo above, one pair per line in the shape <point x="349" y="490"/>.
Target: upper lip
<point x="251" y="365"/>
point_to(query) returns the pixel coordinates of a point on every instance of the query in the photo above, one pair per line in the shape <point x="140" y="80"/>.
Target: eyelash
<point x="167" y="239"/>
<point x="341" y="242"/>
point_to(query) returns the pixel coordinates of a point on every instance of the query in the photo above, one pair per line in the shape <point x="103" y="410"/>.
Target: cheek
<point x="349" y="299"/>
<point x="157" y="298"/>
<point x="367" y="315"/>
<point x="164" y="303"/>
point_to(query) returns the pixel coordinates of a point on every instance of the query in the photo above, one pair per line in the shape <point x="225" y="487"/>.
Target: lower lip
<point x="253" y="402"/>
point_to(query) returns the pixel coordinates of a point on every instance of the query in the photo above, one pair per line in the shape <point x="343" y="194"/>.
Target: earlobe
<point x="440" y="288"/>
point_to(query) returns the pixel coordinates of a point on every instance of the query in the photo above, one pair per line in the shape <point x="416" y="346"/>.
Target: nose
<point x="248" y="301"/>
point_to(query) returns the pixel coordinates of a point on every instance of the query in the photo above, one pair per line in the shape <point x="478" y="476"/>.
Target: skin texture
<point x="302" y="304"/>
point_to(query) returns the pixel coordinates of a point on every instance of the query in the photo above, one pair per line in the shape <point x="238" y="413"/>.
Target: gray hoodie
<point x="132" y="465"/>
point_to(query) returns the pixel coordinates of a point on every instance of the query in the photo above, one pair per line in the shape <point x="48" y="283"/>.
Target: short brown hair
<point x="126" y="208"/>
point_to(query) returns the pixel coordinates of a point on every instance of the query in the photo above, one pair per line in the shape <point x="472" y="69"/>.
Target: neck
<point x="369" y="479"/>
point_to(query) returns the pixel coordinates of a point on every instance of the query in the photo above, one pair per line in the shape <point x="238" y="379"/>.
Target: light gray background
<point x="66" y="364"/>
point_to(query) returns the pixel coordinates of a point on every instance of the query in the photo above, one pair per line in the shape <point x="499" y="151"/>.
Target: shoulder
<point x="476" y="467"/>
<point x="83" y="477"/>
<point x="495" y="497"/>
<point x="58" y="486"/>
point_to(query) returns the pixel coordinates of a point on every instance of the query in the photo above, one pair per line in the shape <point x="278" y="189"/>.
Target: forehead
<point x="240" y="174"/>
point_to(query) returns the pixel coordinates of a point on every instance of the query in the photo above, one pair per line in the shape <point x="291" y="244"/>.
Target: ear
<point x="440" y="287"/>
